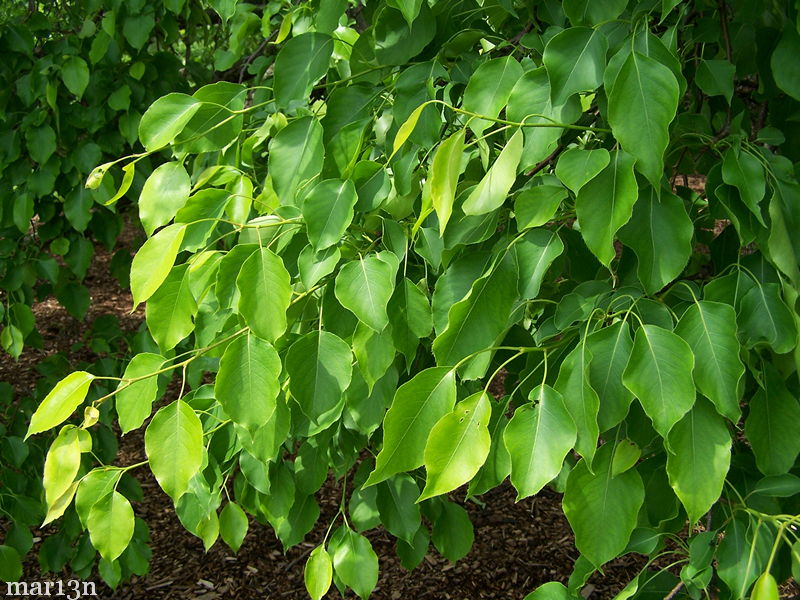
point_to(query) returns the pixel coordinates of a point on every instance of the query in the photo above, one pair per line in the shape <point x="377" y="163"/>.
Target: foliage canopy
<point x="411" y="197"/>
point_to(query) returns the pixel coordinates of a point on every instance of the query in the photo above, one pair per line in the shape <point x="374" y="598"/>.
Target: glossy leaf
<point x="233" y="525"/>
<point x="577" y="167"/>
<point x="165" y="119"/>
<point x="318" y="573"/>
<point x="248" y="381"/>
<point x="489" y="88"/>
<point x="154" y="260"/>
<point x="493" y="189"/>
<point x="605" y="204"/>
<point x="771" y="426"/>
<point x="264" y="294"/>
<point x="660" y="233"/>
<point x="592" y="498"/>
<point x="111" y="525"/>
<point x="580" y="399"/>
<point x="710" y="330"/>
<point x="61" y="402"/>
<point x="134" y="399"/>
<point x="457" y="446"/>
<point x="328" y="211"/>
<point x="164" y="193"/>
<point x="319" y="366"/>
<point x="355" y="562"/>
<point x="444" y="174"/>
<point x="641" y="105"/>
<point x="173" y="442"/>
<point x="538" y="438"/>
<point x="699" y="457"/>
<point x="364" y="287"/>
<point x="659" y="373"/>
<point x="417" y="406"/>
<point x="575" y="59"/>
<point x="610" y="348"/>
<point x="301" y="63"/>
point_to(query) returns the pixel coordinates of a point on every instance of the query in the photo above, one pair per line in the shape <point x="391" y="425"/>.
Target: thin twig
<point x="543" y="163"/>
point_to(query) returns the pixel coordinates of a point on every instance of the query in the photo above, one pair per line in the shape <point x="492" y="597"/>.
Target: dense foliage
<point x="411" y="198"/>
<point x="74" y="81"/>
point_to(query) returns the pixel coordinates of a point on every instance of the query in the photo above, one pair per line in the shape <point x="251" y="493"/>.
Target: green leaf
<point x="165" y="119"/>
<point x="60" y="468"/>
<point x="61" y="402"/>
<point x="319" y="366"/>
<point x="626" y="455"/>
<point x="409" y="8"/>
<point x="698" y="459"/>
<point x="594" y="498"/>
<point x="784" y="64"/>
<point x="474" y="323"/>
<point x="410" y="317"/>
<point x="492" y="190"/>
<point x="538" y="438"/>
<point x="610" y="348"/>
<point x="715" y="78"/>
<point x="488" y="90"/>
<point x="396" y="501"/>
<point x="417" y="406"/>
<point x="328" y="211"/>
<point x="173" y="442"/>
<point x="75" y="73"/>
<point x="94" y="486"/>
<point x="586" y="12"/>
<point x="10" y="564"/>
<point x="531" y="101"/>
<point x="318" y="573"/>
<point x="445" y="169"/>
<point x="374" y="351"/>
<point x="364" y="287"/>
<point x="765" y="318"/>
<point x="552" y="590"/>
<point x="154" y="260"/>
<point x="134" y="401"/>
<point x="746" y="173"/>
<point x="659" y="373"/>
<point x="710" y="330"/>
<point x="355" y="562"/>
<point x="641" y="105"/>
<point x="111" y="524"/>
<point x="215" y="125"/>
<point x="164" y="193"/>
<point x="575" y="60"/>
<point x="300" y="64"/>
<point x="660" y="233"/>
<point x="313" y="266"/>
<point x="233" y="525"/>
<point x="41" y="142"/>
<point x="265" y="293"/>
<point x="406" y="129"/>
<point x="535" y="252"/>
<point x="453" y="533"/>
<point x="772" y="425"/>
<point x="576" y="167"/>
<point x="535" y="206"/>
<point x="605" y="204"/>
<point x="580" y="399"/>
<point x="296" y="156"/>
<point x="170" y="310"/>
<point x="778" y="486"/>
<point x="457" y="446"/>
<point x="498" y="464"/>
<point x="248" y="382"/>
